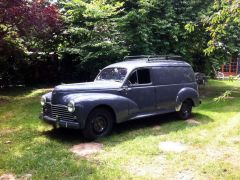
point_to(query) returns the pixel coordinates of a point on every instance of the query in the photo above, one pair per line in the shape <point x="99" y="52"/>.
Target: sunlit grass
<point x="28" y="146"/>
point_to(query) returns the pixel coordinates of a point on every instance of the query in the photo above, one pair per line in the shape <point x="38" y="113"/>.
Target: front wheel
<point x="186" y="110"/>
<point x="99" y="124"/>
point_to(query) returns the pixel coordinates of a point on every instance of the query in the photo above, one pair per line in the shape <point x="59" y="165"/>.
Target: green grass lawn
<point x="211" y="138"/>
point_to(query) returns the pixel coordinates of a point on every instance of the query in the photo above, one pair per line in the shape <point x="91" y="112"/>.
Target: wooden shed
<point x="232" y="68"/>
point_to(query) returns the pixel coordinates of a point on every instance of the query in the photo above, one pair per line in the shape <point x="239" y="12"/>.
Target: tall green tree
<point x="91" y="39"/>
<point x="158" y="27"/>
<point x="223" y="25"/>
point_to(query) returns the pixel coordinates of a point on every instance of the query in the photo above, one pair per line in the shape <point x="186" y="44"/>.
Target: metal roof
<point x="145" y="62"/>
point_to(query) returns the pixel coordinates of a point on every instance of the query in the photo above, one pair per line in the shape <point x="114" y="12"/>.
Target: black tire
<point x="186" y="110"/>
<point x="99" y="124"/>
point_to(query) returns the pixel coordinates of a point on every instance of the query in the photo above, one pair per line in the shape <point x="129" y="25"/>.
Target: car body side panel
<point x="144" y="98"/>
<point x="166" y="96"/>
<point x="169" y="82"/>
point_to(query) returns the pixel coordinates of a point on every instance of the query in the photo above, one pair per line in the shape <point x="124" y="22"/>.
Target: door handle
<point x="123" y="89"/>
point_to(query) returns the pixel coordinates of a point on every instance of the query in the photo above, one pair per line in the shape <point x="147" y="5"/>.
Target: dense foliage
<point x="223" y="24"/>
<point x="26" y="27"/>
<point x="92" y="39"/>
<point x="69" y="40"/>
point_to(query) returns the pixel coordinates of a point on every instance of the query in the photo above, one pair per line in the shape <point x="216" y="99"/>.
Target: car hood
<point x="88" y="86"/>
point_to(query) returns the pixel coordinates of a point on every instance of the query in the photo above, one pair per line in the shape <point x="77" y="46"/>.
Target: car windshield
<point x="114" y="74"/>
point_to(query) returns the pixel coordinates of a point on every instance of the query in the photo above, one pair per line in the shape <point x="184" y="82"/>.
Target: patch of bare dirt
<point x="153" y="168"/>
<point x="227" y="154"/>
<point x="4" y="132"/>
<point x="169" y="146"/>
<point x="185" y="175"/>
<point x="235" y="140"/>
<point x="157" y="127"/>
<point x="3" y="101"/>
<point x="13" y="177"/>
<point x="8" y="115"/>
<point x="157" y="168"/>
<point x="193" y="122"/>
<point x="85" y="149"/>
<point x="7" y="177"/>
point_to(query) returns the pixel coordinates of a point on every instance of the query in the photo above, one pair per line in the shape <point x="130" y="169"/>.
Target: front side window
<point x="143" y="76"/>
<point x="112" y="74"/>
<point x="140" y="76"/>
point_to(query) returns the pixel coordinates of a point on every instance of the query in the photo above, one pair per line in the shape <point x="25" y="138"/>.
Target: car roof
<point x="144" y="62"/>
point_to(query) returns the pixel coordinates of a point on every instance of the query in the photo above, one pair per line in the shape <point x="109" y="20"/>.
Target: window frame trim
<point x="139" y="85"/>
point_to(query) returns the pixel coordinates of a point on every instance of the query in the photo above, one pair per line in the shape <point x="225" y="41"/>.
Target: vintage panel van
<point x="140" y="86"/>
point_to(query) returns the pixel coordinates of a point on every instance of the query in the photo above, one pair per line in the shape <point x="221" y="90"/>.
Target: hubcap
<point x="186" y="111"/>
<point x="99" y="124"/>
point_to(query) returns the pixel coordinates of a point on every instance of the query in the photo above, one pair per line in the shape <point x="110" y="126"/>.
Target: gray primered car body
<point x="172" y="82"/>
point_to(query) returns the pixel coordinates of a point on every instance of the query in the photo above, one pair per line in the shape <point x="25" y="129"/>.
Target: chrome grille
<point x="59" y="112"/>
<point x="48" y="110"/>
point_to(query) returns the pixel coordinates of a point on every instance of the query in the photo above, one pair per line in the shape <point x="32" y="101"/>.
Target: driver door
<point x="141" y="91"/>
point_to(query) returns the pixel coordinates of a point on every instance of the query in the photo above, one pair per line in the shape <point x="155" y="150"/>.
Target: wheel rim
<point x="99" y="124"/>
<point x="186" y="111"/>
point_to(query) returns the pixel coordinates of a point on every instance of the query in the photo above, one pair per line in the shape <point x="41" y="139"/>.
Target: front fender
<point x="86" y="102"/>
<point x="48" y="96"/>
<point x="187" y="93"/>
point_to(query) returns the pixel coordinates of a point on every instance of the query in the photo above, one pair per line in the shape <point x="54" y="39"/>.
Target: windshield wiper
<point x="116" y="80"/>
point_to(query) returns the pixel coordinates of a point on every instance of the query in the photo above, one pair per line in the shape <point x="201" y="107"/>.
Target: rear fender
<point x="184" y="94"/>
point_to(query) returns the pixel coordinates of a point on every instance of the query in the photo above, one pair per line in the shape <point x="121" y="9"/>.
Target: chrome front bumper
<point x="59" y="123"/>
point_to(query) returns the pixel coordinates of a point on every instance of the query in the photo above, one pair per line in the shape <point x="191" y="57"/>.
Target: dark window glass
<point x="133" y="78"/>
<point x="143" y="76"/>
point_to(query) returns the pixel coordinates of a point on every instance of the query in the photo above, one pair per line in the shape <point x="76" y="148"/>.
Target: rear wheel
<point x="186" y="110"/>
<point x="99" y="124"/>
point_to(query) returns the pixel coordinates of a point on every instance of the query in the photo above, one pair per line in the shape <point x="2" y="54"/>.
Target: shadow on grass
<point x="158" y="125"/>
<point x="68" y="136"/>
<point x="144" y="127"/>
<point x="16" y="91"/>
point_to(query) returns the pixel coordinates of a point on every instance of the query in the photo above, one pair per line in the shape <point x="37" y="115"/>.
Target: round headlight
<point x="71" y="106"/>
<point x="43" y="101"/>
